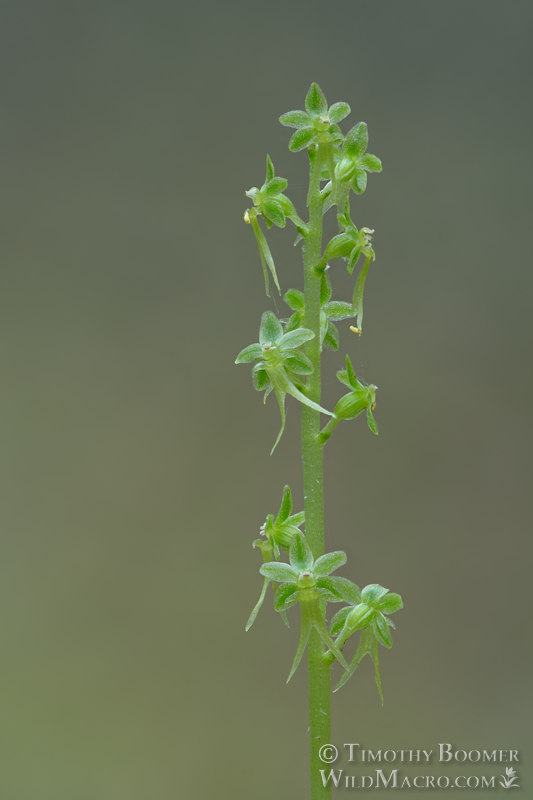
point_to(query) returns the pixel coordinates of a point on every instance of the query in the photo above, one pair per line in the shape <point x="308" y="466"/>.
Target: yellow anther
<point x="358" y="331"/>
<point x="246" y="217"/>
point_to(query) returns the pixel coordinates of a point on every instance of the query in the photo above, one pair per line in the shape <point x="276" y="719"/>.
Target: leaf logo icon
<point x="508" y="781"/>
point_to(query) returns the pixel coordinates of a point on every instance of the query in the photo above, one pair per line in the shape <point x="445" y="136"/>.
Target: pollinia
<point x="286" y="360"/>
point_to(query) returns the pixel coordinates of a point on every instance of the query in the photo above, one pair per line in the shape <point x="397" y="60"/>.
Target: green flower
<point x="330" y="310"/>
<point x="306" y="580"/>
<point x="355" y="162"/>
<point x="274" y="206"/>
<point x="350" y="244"/>
<point x="278" y="532"/>
<point x="318" y="123"/>
<point x="270" y="201"/>
<point x="367" y="613"/>
<point x="361" y="398"/>
<point x="279" y="363"/>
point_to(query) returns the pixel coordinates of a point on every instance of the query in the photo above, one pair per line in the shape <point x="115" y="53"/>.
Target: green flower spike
<point x="352" y="168"/>
<point x="367" y="614"/>
<point x="279" y="362"/>
<point x="278" y="533"/>
<point x="361" y="398"/>
<point x="306" y="581"/>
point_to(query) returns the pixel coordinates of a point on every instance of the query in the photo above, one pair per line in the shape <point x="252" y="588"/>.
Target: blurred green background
<point x="135" y="466"/>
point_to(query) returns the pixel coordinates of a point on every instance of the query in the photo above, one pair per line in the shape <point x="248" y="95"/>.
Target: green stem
<point x="328" y="429"/>
<point x="313" y="474"/>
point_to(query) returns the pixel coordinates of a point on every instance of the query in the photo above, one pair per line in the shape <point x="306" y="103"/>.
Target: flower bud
<point x="345" y="169"/>
<point x="350" y="405"/>
<point x="286" y="204"/>
<point x="359" y="617"/>
<point x="283" y="536"/>
<point x="341" y="245"/>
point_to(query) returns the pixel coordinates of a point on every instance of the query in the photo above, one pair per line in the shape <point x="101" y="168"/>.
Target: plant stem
<point x="313" y="478"/>
<point x="328" y="429"/>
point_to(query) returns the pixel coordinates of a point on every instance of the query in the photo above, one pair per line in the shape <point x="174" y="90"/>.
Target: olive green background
<point x="134" y="459"/>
